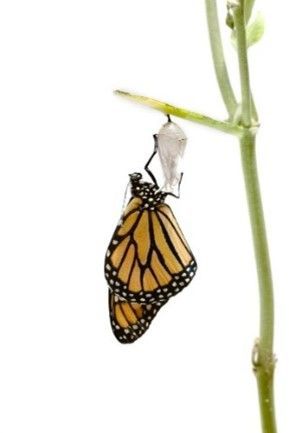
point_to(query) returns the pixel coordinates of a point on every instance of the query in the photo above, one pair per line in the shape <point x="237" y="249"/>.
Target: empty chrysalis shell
<point x="171" y="146"/>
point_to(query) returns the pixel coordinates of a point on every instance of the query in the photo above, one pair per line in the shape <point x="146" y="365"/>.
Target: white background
<point x="67" y="145"/>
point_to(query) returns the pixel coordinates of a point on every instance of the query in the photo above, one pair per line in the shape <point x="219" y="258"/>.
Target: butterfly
<point x="148" y="259"/>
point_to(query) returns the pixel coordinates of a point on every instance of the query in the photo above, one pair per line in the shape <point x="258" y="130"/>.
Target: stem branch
<point x="166" y="108"/>
<point x="263" y="359"/>
<point x="249" y="4"/>
<point x="219" y="58"/>
<point x="265" y="363"/>
<point x="240" y="28"/>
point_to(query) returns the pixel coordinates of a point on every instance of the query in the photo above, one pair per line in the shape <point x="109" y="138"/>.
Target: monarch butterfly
<point x="148" y="259"/>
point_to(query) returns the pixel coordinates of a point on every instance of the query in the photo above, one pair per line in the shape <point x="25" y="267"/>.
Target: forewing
<point x="148" y="259"/>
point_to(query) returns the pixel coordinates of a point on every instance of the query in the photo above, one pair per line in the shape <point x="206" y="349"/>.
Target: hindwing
<point x="130" y="320"/>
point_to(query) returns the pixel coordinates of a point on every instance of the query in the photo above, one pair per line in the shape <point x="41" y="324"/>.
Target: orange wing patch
<point x="142" y="237"/>
<point x="148" y="258"/>
<point x="130" y="320"/>
<point x="166" y="210"/>
<point x="119" y="252"/>
<point x="171" y="260"/>
<point x="178" y="243"/>
<point x="124" y="271"/>
<point x="162" y="275"/>
<point x="133" y="204"/>
<point x="149" y="282"/>
<point x="128" y="223"/>
<point x="135" y="279"/>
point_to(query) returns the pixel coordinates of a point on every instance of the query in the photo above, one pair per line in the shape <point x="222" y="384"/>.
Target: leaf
<point x="166" y="108"/>
<point x="255" y="30"/>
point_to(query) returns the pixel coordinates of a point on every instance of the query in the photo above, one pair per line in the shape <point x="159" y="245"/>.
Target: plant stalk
<point x="249" y="4"/>
<point x="219" y="58"/>
<point x="164" y="107"/>
<point x="263" y="357"/>
<point x="240" y="28"/>
<point x="264" y="360"/>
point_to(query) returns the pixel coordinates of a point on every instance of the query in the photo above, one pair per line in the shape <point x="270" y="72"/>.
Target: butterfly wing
<point x="148" y="259"/>
<point x="130" y="320"/>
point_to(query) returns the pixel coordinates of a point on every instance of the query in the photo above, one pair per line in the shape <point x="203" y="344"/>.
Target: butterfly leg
<point x="146" y="167"/>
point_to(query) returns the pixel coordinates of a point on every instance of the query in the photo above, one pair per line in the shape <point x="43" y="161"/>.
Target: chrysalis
<point x="171" y="141"/>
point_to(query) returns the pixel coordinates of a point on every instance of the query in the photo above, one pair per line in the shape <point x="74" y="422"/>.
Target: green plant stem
<point x="240" y="29"/>
<point x="264" y="361"/>
<point x="166" y="108"/>
<point x="219" y="58"/>
<point x="249" y="4"/>
<point x="254" y="111"/>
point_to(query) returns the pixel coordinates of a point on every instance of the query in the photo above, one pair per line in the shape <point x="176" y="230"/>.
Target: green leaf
<point x="255" y="30"/>
<point x="183" y="113"/>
